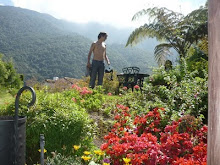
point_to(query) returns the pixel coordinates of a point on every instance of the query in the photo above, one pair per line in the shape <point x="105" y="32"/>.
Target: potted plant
<point x="13" y="134"/>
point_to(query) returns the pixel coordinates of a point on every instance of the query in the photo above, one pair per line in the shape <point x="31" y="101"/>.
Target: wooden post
<point x="214" y="83"/>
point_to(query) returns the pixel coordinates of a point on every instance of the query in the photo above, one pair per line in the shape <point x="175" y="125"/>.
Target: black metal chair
<point x="131" y="70"/>
<point x="131" y="76"/>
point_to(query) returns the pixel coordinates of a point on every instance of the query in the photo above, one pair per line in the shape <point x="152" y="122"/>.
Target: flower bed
<point x="143" y="140"/>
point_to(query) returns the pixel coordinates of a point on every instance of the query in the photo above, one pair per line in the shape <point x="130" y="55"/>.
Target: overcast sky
<point x="114" y="12"/>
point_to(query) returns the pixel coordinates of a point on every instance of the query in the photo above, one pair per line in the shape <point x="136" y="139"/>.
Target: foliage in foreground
<point x="60" y="117"/>
<point x="144" y="140"/>
<point x="63" y="118"/>
<point x="178" y="90"/>
<point x="149" y="138"/>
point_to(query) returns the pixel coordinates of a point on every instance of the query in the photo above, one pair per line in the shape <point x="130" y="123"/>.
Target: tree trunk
<point x="214" y="83"/>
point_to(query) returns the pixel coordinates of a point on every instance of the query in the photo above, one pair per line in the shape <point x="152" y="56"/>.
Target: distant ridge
<point x="42" y="46"/>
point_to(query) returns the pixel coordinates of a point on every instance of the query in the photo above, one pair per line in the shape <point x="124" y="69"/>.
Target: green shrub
<point x="110" y="85"/>
<point x="181" y="91"/>
<point x="91" y="100"/>
<point x="198" y="60"/>
<point x="62" y="121"/>
<point x="8" y="76"/>
<point x="178" y="90"/>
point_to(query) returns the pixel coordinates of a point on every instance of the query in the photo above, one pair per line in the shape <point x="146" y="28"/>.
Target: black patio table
<point x="131" y="77"/>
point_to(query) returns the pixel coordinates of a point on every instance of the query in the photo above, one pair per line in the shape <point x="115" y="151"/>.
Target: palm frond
<point x="142" y="32"/>
<point x="161" y="52"/>
<point x="162" y="25"/>
<point x="158" y="14"/>
<point x="199" y="14"/>
<point x="178" y="31"/>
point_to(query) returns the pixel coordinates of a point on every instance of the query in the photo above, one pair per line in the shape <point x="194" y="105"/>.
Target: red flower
<point x="143" y="144"/>
<point x="85" y="91"/>
<point x="74" y="86"/>
<point x="136" y="87"/>
<point x="104" y="146"/>
<point x="117" y="117"/>
<point x="74" y="99"/>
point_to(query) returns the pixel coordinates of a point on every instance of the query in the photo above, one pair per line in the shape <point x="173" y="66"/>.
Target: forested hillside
<point x="42" y="47"/>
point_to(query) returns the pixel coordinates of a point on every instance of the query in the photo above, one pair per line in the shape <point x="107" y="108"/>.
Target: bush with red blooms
<point x="83" y="90"/>
<point x="144" y="141"/>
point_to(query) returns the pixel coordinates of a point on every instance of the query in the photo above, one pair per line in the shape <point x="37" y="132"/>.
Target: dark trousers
<point x="97" y="69"/>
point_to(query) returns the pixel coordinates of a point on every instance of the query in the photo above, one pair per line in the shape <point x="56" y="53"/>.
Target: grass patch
<point x="5" y="97"/>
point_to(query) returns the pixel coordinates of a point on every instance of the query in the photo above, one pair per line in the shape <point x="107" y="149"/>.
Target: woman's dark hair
<point x="102" y="34"/>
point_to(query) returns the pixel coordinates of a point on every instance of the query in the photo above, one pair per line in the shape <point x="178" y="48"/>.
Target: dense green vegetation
<point x="9" y="78"/>
<point x="80" y="116"/>
<point x="5" y="97"/>
<point x="166" y="120"/>
<point x="42" y="47"/>
<point x="10" y="81"/>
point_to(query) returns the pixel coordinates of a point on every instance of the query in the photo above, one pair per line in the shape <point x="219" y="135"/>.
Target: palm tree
<point x="174" y="30"/>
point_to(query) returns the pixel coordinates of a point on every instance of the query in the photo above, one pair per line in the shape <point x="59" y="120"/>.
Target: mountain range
<point x="42" y="46"/>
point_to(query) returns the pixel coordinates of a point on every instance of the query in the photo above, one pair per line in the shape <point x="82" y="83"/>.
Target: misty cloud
<point x="114" y="12"/>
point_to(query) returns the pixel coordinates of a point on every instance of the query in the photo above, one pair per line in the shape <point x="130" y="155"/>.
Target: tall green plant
<point x="174" y="29"/>
<point x="8" y="75"/>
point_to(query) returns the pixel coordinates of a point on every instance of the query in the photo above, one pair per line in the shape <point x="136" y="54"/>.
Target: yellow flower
<point x="126" y="160"/>
<point x="86" y="158"/>
<point x="76" y="147"/>
<point x="44" y="150"/>
<point x="87" y="152"/>
<point x="106" y="164"/>
<point x="99" y="152"/>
